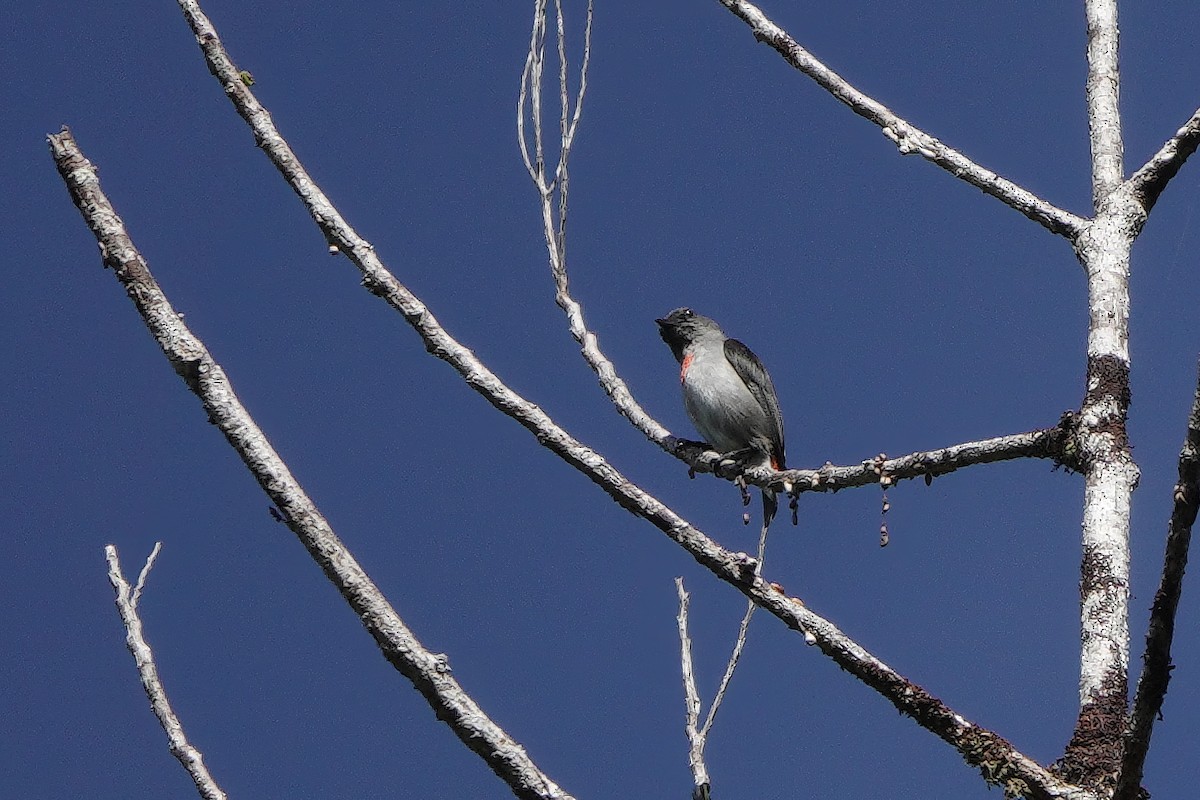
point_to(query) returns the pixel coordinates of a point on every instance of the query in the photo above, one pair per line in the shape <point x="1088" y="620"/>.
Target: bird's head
<point x="682" y="327"/>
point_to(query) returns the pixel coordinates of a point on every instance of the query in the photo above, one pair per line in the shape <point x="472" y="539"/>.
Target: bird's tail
<point x="770" y="506"/>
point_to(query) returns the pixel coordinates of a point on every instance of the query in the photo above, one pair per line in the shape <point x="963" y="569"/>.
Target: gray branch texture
<point x="1107" y="750"/>
<point x="429" y="672"/>
<point x="143" y="658"/>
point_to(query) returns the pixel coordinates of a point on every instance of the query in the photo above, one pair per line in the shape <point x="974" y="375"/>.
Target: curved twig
<point x="552" y="199"/>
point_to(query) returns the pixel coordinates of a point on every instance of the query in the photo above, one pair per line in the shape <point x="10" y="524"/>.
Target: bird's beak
<point x="662" y="323"/>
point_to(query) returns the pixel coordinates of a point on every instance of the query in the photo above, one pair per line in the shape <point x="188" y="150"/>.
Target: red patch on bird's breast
<point x="684" y="366"/>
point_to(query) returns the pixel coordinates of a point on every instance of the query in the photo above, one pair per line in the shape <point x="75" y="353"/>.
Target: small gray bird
<point x="727" y="394"/>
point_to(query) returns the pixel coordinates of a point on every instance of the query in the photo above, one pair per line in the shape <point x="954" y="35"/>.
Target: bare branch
<point x="1036" y="444"/>
<point x="907" y="138"/>
<point x="698" y="737"/>
<point x="1054" y="443"/>
<point x="552" y="198"/>
<point x="1150" y="180"/>
<point x="691" y="697"/>
<point x="145" y="573"/>
<point x="1156" y="672"/>
<point x="191" y="758"/>
<point x="998" y="760"/>
<point x="1094" y="754"/>
<point x="429" y="672"/>
<point x="568" y="133"/>
<point x="1103" y="99"/>
<point x="527" y="74"/>
<point x="739" y="644"/>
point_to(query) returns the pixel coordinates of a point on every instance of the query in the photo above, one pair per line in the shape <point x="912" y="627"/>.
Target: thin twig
<point x="562" y="177"/>
<point x="698" y="738"/>
<point x="191" y="758"/>
<point x="552" y="200"/>
<point x="141" y="581"/>
<point x="429" y="672"/>
<point x="739" y="645"/>
<point x="526" y="77"/>
<point x="907" y="138"/>
<point x="691" y="697"/>
<point x="1156" y="672"/>
<point x="1006" y="766"/>
<point x="1036" y="444"/>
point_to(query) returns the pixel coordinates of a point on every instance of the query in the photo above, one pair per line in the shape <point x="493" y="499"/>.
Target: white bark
<point x="429" y="672"/>
<point x="907" y="137"/>
<point x="1098" y="444"/>
<point x="1103" y="98"/>
<point x="979" y="746"/>
<point x="143" y="658"/>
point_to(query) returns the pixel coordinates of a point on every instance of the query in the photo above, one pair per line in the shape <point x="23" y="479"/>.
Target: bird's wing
<point x="754" y="375"/>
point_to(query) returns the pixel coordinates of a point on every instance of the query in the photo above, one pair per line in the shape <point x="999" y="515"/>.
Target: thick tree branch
<point x="429" y="672"/>
<point x="1156" y="670"/>
<point x="1103" y="98"/>
<point x="908" y="138"/>
<point x="1153" y="176"/>
<point x="996" y="758"/>
<point x="999" y="762"/>
<point x="127" y="600"/>
<point x="1093" y="756"/>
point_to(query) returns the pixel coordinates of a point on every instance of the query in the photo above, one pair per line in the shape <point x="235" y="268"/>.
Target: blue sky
<point x="898" y="310"/>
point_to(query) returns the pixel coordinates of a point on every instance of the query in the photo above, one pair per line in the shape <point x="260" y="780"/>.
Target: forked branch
<point x="999" y="762"/>
<point x="697" y="735"/>
<point x="127" y="600"/>
<point x="552" y="199"/>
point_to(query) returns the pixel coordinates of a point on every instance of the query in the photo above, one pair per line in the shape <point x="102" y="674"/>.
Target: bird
<point x="728" y="395"/>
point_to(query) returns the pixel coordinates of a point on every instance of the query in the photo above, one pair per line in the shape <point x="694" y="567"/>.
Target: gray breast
<point x="720" y="406"/>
